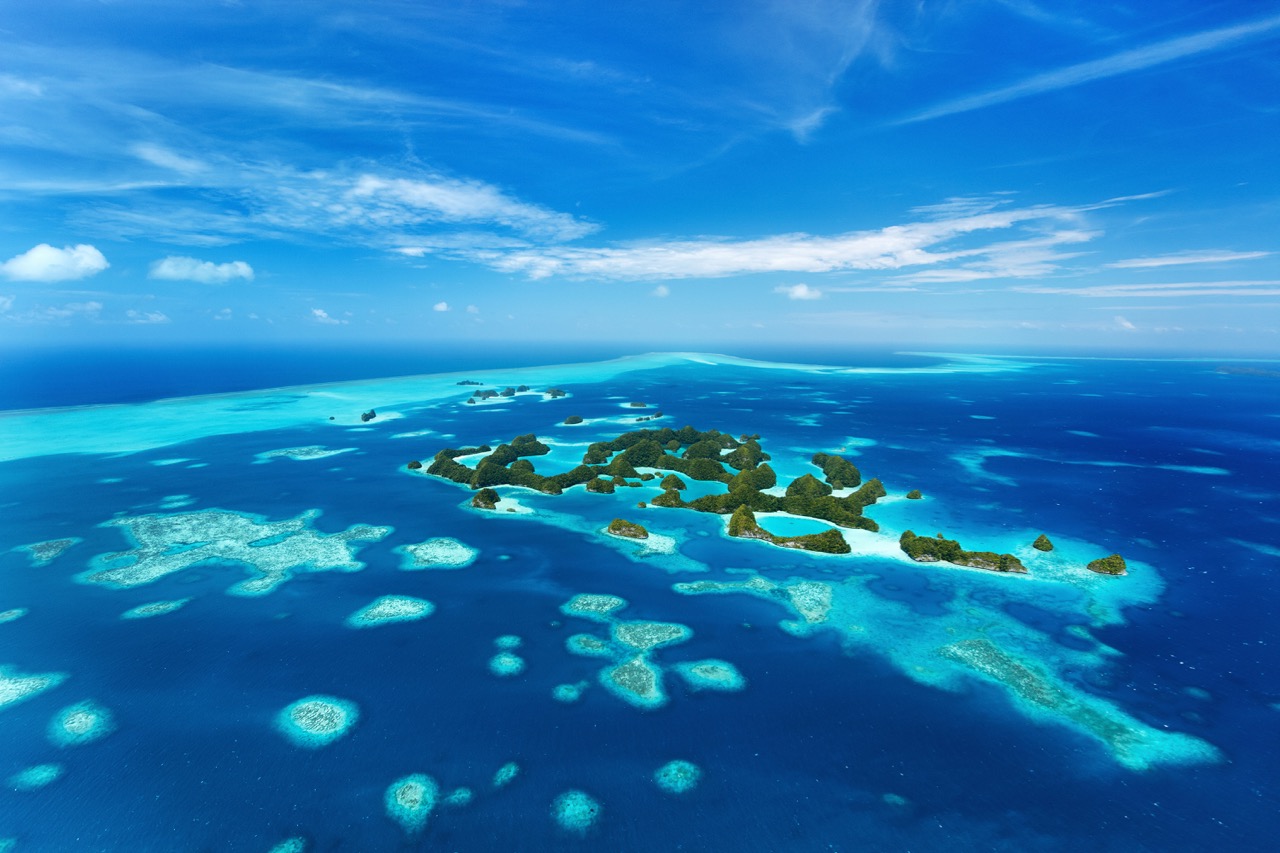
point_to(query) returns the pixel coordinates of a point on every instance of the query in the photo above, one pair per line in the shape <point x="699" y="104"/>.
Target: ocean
<point x="231" y="618"/>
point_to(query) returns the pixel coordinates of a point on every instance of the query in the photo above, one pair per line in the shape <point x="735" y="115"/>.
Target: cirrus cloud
<point x="46" y="263"/>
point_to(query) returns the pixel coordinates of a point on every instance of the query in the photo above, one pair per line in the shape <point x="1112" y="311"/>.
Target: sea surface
<point x="177" y="575"/>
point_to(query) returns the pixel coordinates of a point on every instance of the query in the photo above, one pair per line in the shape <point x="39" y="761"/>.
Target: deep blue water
<point x="829" y="747"/>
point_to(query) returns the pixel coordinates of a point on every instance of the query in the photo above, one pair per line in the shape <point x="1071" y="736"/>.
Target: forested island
<point x="740" y="464"/>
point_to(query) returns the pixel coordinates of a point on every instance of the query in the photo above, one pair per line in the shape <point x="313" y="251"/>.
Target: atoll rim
<point x="575" y="811"/>
<point x="711" y="674"/>
<point x="410" y="800"/>
<point x="317" y="721"/>
<point x="678" y="776"/>
<point x="439" y="553"/>
<point x="81" y="723"/>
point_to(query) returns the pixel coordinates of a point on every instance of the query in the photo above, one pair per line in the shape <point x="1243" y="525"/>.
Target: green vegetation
<point x="914" y="495"/>
<point x="839" y="472"/>
<point x="555" y="393"/>
<point x="629" y="529"/>
<point x="414" y="465"/>
<point x="1042" y="543"/>
<point x="743" y="524"/>
<point x="485" y="499"/>
<point x="600" y="486"/>
<point x="368" y="416"/>
<point x="927" y="549"/>
<point x="573" y="419"/>
<point x="1113" y="565"/>
<point x="637" y="405"/>
<point x="808" y="486"/>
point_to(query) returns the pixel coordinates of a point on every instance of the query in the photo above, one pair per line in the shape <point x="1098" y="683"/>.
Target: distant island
<point x="740" y="464"/>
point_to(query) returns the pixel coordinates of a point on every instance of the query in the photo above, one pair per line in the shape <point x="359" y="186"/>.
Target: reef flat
<point x="390" y="608"/>
<point x="411" y="800"/>
<point x="273" y="551"/>
<point x="81" y="723"/>
<point x="678" y="777"/>
<point x="439" y="553"/>
<point x="36" y="777"/>
<point x="316" y="721"/>
<point x="154" y="608"/>
<point x="44" y="553"/>
<point x="575" y="811"/>
<point x="15" y="687"/>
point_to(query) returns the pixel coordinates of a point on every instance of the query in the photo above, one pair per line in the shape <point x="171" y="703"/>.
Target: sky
<point x="984" y="174"/>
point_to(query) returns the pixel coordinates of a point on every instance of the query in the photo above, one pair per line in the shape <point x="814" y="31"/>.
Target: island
<point x="368" y="416"/>
<point x="627" y="529"/>
<point x="1113" y="565"/>
<point x="934" y="549"/>
<point x="573" y="420"/>
<point x="837" y="496"/>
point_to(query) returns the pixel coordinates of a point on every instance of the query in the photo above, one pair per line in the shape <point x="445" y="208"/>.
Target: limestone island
<point x="1113" y="565"/>
<point x="933" y="549"/>
<point x="1042" y="543"/>
<point x="627" y="529"/>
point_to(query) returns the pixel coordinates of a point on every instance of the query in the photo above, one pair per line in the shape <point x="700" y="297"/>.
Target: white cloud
<point x="401" y="201"/>
<point x="1098" y="69"/>
<point x="471" y="309"/>
<point x="45" y="263"/>
<point x="158" y="155"/>
<point x="1125" y="324"/>
<point x="799" y="291"/>
<point x="11" y="85"/>
<point x="440" y="306"/>
<point x="322" y="316"/>
<point x="1265" y="287"/>
<point x="913" y="244"/>
<point x="1205" y="256"/>
<point x="6" y="302"/>
<point x="145" y="317"/>
<point x="178" y="268"/>
<point x="662" y="291"/>
<point x="74" y="309"/>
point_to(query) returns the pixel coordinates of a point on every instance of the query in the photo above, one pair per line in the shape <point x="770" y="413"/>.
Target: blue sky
<point x="1011" y="173"/>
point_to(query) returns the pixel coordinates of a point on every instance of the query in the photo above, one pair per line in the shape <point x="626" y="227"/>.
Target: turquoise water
<point x="231" y="621"/>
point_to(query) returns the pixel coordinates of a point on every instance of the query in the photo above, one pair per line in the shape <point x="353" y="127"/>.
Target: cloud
<point x="145" y="317"/>
<point x="471" y="309"/>
<point x="799" y="291"/>
<point x="440" y="306"/>
<point x="45" y="263"/>
<point x="158" y="155"/>
<point x="6" y="302"/>
<point x="1124" y="62"/>
<point x="322" y="316"/>
<point x="73" y="309"/>
<point x="662" y="291"/>
<point x="178" y="268"/>
<point x="400" y="201"/>
<point x="1125" y="324"/>
<point x="1204" y="256"/>
<point x="923" y="243"/>
<point x="1266" y="287"/>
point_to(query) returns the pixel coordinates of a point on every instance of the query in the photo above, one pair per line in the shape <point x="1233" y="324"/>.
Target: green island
<point x="1113" y="565"/>
<point x="838" y="498"/>
<point x="627" y="529"/>
<point x="933" y="549"/>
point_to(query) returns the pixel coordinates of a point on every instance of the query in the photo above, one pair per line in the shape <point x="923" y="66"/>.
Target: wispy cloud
<point x="320" y="315"/>
<point x="46" y="263"/>
<point x="923" y="243"/>
<point x="1206" y="256"/>
<point x="145" y="317"/>
<point x="158" y="155"/>
<point x="440" y="306"/>
<point x="176" y="268"/>
<point x="1125" y="62"/>
<point x="1171" y="290"/>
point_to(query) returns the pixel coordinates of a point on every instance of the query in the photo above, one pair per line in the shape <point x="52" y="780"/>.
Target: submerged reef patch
<point x="81" y="723"/>
<point x="711" y="674"/>
<point x="636" y="681"/>
<point x="301" y="454"/>
<point x="588" y="646"/>
<point x="388" y="609"/>
<point x="316" y="721"/>
<point x="290" y="845"/>
<point x="11" y="615"/>
<point x="459" y="797"/>
<point x="34" y="778"/>
<point x="678" y="777"/>
<point x="44" y="553"/>
<point x="506" y="664"/>
<point x="644" y="636"/>
<point x="272" y="550"/>
<point x="575" y="811"/>
<point x="569" y="693"/>
<point x="410" y="801"/>
<point x="506" y="774"/>
<point x="510" y="642"/>
<point x="155" y="608"/>
<point x="439" y="553"/>
<point x="593" y="606"/>
<point x="15" y="687"/>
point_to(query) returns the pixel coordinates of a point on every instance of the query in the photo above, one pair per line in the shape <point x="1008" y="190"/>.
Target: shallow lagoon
<point x="877" y="716"/>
